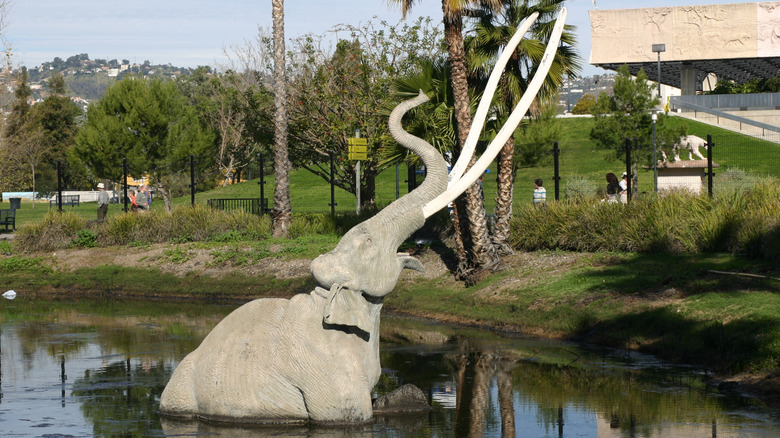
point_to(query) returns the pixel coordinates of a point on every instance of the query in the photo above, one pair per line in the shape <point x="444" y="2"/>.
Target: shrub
<point x="746" y="222"/>
<point x="85" y="239"/>
<point x="56" y="230"/>
<point x="183" y="224"/>
<point x="734" y="182"/>
<point x="312" y="223"/>
<point x="578" y="188"/>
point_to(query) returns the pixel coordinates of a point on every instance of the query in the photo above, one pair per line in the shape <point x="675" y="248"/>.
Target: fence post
<point x="332" y="186"/>
<point x="124" y="182"/>
<point x="629" y="176"/>
<point x="557" y="174"/>
<point x="411" y="177"/>
<point x="710" y="173"/>
<point x="192" y="179"/>
<point x="263" y="204"/>
<point x="396" y="180"/>
<point x="59" y="186"/>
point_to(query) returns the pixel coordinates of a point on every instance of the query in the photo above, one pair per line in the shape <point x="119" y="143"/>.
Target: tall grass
<point x="54" y="231"/>
<point x="183" y="224"/>
<point x="745" y="220"/>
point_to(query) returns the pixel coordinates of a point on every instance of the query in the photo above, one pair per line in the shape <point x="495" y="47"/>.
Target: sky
<point x="189" y="33"/>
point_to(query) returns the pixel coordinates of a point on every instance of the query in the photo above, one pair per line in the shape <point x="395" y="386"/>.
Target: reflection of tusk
<point x="487" y="98"/>
<point x="460" y="185"/>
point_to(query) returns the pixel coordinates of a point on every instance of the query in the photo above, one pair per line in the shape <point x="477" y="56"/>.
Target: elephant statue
<point x="315" y="357"/>
<point x="690" y="143"/>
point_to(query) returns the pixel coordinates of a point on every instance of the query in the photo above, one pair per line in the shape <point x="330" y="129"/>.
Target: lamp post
<point x="658" y="48"/>
<point x="655" y="160"/>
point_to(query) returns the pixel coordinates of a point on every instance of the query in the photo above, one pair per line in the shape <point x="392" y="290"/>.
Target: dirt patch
<point x="178" y="260"/>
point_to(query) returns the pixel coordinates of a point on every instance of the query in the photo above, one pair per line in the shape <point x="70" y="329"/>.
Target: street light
<point x="655" y="160"/>
<point x="658" y="48"/>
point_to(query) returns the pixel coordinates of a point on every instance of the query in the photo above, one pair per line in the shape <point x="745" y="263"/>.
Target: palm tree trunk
<point x="481" y="254"/>
<point x="282" y="211"/>
<point x="504" y="198"/>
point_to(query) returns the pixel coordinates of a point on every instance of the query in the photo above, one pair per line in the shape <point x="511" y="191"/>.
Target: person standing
<point x="102" y="202"/>
<point x="613" y="188"/>
<point x="624" y="189"/>
<point x="133" y="204"/>
<point x="540" y="194"/>
<point x="141" y="199"/>
<point x="148" y="198"/>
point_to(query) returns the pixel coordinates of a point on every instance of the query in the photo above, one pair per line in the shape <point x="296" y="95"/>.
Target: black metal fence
<point x="737" y="160"/>
<point x="249" y="205"/>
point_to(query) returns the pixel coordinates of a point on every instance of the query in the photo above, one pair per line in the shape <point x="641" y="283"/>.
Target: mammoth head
<point x="365" y="261"/>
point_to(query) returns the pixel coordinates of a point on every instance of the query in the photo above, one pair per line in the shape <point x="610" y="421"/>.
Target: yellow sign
<point x="358" y="149"/>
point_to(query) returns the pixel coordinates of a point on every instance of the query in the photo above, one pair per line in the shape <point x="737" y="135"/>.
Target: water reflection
<point x="98" y="369"/>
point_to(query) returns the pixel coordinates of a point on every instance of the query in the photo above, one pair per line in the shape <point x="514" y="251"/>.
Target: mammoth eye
<point x="368" y="241"/>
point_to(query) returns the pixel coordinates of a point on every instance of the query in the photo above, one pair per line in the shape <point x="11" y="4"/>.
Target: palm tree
<point x="474" y="231"/>
<point x="282" y="211"/>
<point x="491" y="34"/>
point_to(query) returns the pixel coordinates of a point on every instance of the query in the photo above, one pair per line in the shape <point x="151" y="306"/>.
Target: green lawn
<point x="579" y="157"/>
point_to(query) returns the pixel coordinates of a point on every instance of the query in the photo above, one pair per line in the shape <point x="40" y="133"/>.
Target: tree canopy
<point x="149" y="123"/>
<point x="627" y="115"/>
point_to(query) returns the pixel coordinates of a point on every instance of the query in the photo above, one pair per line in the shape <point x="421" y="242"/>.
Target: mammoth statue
<point x="315" y="357"/>
<point x="690" y="143"/>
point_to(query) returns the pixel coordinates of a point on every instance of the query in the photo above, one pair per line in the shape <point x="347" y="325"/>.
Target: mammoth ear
<point x="346" y="307"/>
<point x="410" y="262"/>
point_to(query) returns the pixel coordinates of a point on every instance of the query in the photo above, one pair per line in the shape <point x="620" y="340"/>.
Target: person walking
<point x="102" y="202"/>
<point x="540" y="193"/>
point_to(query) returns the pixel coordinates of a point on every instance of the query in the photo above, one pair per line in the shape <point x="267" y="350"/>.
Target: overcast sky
<point x="189" y="33"/>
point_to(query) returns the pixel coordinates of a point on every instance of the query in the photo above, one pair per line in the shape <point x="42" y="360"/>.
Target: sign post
<point x="358" y="151"/>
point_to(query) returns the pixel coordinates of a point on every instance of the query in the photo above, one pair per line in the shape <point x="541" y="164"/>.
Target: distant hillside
<point x="89" y="79"/>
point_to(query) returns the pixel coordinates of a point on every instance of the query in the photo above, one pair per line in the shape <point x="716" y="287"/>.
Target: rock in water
<point x="407" y="398"/>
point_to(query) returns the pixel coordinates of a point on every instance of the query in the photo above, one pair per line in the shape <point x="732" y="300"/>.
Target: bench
<point x="8" y="217"/>
<point x="72" y="200"/>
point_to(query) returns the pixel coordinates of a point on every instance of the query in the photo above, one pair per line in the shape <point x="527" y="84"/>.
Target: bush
<point x="745" y="222"/>
<point x="56" y="230"/>
<point x="734" y="182"/>
<point x="312" y="223"/>
<point x="183" y="224"/>
<point x="85" y="239"/>
<point x="585" y="105"/>
<point x="578" y="188"/>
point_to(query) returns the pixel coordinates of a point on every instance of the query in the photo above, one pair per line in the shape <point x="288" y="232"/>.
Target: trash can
<point x="16" y="203"/>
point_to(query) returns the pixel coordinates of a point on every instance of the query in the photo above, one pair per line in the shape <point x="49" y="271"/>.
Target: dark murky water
<point x="98" y="369"/>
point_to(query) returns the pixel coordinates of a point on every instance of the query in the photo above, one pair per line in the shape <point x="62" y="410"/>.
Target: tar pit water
<point x="97" y="369"/>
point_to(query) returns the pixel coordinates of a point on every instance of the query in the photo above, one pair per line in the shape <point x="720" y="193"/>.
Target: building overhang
<point x="735" y="41"/>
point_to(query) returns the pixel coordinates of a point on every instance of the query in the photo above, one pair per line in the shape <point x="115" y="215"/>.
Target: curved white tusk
<point x="460" y="185"/>
<point x="487" y="97"/>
